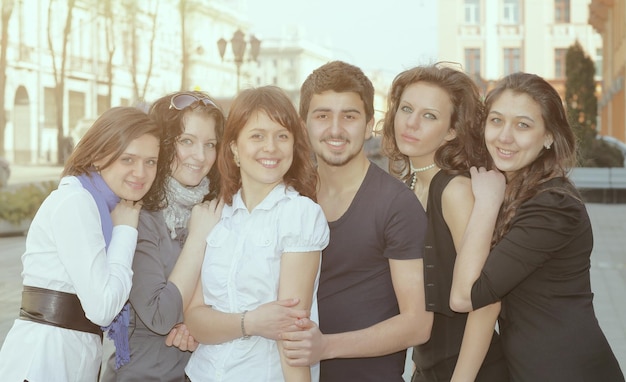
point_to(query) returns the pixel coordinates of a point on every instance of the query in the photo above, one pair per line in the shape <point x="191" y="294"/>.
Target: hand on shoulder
<point x="488" y="185"/>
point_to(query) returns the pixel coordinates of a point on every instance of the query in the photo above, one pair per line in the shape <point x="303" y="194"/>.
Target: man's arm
<point x="409" y="328"/>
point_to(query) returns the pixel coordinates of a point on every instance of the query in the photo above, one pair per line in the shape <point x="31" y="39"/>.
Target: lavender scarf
<point x="106" y="200"/>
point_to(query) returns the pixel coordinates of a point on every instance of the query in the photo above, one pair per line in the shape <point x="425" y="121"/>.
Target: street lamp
<point x="238" y="45"/>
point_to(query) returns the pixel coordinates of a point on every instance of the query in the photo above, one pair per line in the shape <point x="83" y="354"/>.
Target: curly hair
<point x="339" y="77"/>
<point x="456" y="155"/>
<point x="273" y="101"/>
<point x="109" y="136"/>
<point x="551" y="163"/>
<point x="172" y="124"/>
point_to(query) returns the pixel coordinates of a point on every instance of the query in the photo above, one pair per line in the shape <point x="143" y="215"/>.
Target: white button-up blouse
<point x="241" y="271"/>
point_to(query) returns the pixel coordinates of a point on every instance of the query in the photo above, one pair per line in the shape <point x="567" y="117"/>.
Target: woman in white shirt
<point x="267" y="245"/>
<point x="79" y="250"/>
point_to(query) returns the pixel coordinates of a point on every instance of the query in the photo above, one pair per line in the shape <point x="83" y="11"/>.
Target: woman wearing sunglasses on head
<point x="79" y="250"/>
<point x="166" y="264"/>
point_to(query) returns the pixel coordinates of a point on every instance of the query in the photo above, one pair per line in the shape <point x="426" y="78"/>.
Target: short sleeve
<point x="542" y="227"/>
<point x="405" y="227"/>
<point x="302" y="226"/>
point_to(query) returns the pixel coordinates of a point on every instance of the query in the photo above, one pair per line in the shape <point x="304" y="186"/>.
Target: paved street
<point x="608" y="276"/>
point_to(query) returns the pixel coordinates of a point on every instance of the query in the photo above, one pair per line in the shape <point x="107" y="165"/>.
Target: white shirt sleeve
<point x="303" y="226"/>
<point x="101" y="280"/>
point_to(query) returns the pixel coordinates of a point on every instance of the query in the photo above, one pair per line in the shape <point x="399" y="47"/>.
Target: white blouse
<point x="241" y="271"/>
<point x="65" y="251"/>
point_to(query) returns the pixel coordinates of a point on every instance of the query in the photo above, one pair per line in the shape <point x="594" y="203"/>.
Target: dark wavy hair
<point x="110" y="135"/>
<point x="273" y="101"/>
<point x="551" y="163"/>
<point x="171" y="121"/>
<point x="456" y="155"/>
<point x="339" y="77"/>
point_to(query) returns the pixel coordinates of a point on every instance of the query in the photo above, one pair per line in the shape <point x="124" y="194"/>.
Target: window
<point x="559" y="63"/>
<point x="511" y="12"/>
<point x="511" y="61"/>
<point x="76" y="103"/>
<point x="472" y="11"/>
<point x="561" y="11"/>
<point x="472" y="62"/>
<point x="598" y="62"/>
<point x="103" y="103"/>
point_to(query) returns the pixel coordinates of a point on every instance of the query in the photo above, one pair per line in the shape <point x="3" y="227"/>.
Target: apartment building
<point x="493" y="38"/>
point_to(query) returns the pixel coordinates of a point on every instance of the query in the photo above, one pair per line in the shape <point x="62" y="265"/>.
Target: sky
<point x="388" y="35"/>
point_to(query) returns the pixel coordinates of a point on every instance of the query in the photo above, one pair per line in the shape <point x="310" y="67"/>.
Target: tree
<point x="582" y="110"/>
<point x="136" y="42"/>
<point x="109" y="31"/>
<point x="7" y="10"/>
<point x="59" y="73"/>
<point x="183" y="45"/>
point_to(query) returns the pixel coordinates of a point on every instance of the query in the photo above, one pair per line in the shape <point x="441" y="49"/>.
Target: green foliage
<point x="22" y="203"/>
<point x="582" y="111"/>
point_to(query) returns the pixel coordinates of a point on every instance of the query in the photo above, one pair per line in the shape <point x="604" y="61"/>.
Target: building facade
<point x="130" y="52"/>
<point x="608" y="17"/>
<point x="493" y="38"/>
<point x="118" y="53"/>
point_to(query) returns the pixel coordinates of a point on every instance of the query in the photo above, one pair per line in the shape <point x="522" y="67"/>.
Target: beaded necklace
<point x="414" y="174"/>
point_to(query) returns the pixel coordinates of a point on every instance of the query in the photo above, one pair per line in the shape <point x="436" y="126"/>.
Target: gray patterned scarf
<point x="180" y="201"/>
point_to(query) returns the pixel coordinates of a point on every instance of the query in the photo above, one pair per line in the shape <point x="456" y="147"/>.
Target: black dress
<point x="540" y="271"/>
<point x="436" y="359"/>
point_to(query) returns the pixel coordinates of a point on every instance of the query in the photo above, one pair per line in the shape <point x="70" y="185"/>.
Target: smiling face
<point x="515" y="133"/>
<point x="337" y="126"/>
<point x="264" y="149"/>
<point x="195" y="149"/>
<point x="422" y="122"/>
<point x="132" y="173"/>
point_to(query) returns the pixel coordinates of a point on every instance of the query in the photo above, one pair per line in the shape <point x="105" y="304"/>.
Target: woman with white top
<point x="267" y="245"/>
<point x="79" y="251"/>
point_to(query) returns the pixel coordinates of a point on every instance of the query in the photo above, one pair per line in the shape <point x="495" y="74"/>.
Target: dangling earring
<point x="236" y="158"/>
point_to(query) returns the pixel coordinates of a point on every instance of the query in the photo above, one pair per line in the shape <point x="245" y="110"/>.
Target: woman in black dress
<point x="529" y="240"/>
<point x="431" y="133"/>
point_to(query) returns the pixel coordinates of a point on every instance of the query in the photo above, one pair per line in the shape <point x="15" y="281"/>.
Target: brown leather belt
<point x="51" y="307"/>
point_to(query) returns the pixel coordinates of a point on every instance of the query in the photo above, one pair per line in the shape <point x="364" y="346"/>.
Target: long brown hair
<point x="551" y="163"/>
<point x="456" y="155"/>
<point x="302" y="175"/>
<point x="171" y="121"/>
<point x="110" y="135"/>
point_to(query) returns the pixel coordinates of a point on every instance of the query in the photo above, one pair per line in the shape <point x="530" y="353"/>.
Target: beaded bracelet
<point x="243" y="328"/>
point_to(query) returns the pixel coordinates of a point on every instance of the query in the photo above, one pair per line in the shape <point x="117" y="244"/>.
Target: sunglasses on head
<point x="184" y="100"/>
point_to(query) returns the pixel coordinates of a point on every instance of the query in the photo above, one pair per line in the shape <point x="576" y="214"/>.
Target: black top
<point x="448" y="327"/>
<point x="540" y="271"/>
<point x="384" y="221"/>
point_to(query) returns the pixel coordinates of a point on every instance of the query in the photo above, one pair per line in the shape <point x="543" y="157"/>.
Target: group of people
<point x="265" y="246"/>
